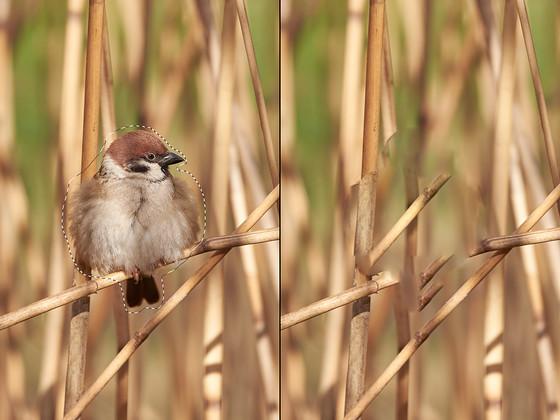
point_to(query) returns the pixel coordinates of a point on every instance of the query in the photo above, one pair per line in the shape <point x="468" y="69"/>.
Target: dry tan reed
<point x="366" y="204"/>
<point x="75" y="374"/>
<point x="77" y="291"/>
<point x="221" y="143"/>
<point x="539" y="91"/>
<point x="462" y="98"/>
<point x="512" y="241"/>
<point x="421" y="335"/>
<point x="379" y="282"/>
<point x="530" y="266"/>
<point x="142" y="334"/>
<point x="494" y="315"/>
<point x="160" y="71"/>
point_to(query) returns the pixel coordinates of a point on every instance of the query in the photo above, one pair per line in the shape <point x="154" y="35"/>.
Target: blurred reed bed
<point x="466" y="123"/>
<point x="161" y="66"/>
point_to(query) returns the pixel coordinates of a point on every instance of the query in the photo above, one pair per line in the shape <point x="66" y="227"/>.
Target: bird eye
<point x="150" y="156"/>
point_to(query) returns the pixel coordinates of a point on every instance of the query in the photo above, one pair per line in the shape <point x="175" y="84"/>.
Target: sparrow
<point x="133" y="216"/>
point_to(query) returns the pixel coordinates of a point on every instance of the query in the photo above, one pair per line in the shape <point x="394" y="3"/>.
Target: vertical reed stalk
<point x="545" y="352"/>
<point x="366" y="204"/>
<point x="531" y="171"/>
<point x="348" y="149"/>
<point x="80" y="309"/>
<point x="109" y="124"/>
<point x="257" y="86"/>
<point x="350" y="109"/>
<point x="539" y="91"/>
<point x="59" y="268"/>
<point x="214" y="322"/>
<point x="10" y="216"/>
<point x="250" y="169"/>
<point x="329" y="384"/>
<point x="494" y="321"/>
<point x="404" y="291"/>
<point x="265" y="354"/>
<point x="174" y="83"/>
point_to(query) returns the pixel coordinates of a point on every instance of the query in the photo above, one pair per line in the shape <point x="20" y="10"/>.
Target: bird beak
<point x="170" y="159"/>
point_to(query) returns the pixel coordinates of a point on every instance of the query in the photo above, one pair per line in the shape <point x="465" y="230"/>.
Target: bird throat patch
<point x="178" y="168"/>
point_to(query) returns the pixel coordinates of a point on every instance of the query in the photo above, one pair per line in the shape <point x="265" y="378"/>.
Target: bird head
<point x="141" y="155"/>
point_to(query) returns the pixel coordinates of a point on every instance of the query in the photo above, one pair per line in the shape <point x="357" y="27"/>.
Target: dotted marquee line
<point x="93" y="276"/>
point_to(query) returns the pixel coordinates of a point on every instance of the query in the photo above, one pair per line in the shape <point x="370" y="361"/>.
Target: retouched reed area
<point x="413" y="134"/>
<point x="205" y="75"/>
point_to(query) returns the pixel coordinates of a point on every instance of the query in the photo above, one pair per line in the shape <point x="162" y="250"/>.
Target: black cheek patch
<point x="138" y="167"/>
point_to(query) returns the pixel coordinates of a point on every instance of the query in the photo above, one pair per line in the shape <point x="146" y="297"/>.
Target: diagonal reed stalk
<point x="404" y="221"/>
<point x="78" y="291"/>
<point x="142" y="333"/>
<point x="430" y="271"/>
<point x="512" y="241"/>
<point x="75" y="375"/>
<point x="380" y="282"/>
<point x="452" y="303"/>
<point x="400" y="225"/>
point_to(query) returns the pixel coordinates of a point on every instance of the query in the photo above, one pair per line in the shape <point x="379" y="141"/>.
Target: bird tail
<point x="144" y="288"/>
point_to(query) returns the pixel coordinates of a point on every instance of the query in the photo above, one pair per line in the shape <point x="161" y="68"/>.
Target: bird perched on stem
<point x="133" y="216"/>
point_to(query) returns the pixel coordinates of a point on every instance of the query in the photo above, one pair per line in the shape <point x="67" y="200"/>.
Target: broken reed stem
<point x="453" y="302"/>
<point x="366" y="204"/>
<point x="408" y="216"/>
<point x="430" y="271"/>
<point x="388" y="110"/>
<point x="257" y="86"/>
<point x="142" y="333"/>
<point x="384" y="280"/>
<point x="428" y="294"/>
<point x="539" y="91"/>
<point x="520" y="239"/>
<point x="78" y="291"/>
<point x="75" y="375"/>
